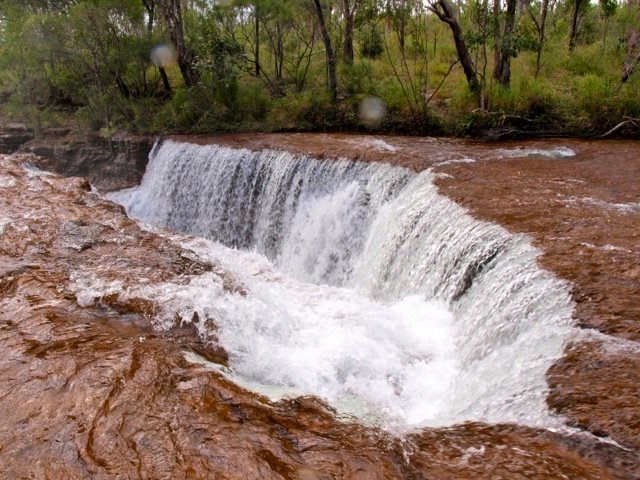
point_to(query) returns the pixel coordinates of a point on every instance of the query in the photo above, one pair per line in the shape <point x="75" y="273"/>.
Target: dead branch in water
<point x="627" y="121"/>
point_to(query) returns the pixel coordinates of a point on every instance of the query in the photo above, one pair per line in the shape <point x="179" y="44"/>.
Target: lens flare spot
<point x="163" y="55"/>
<point x="372" y="111"/>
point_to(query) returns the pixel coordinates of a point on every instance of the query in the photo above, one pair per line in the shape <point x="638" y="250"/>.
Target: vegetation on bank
<point x="406" y="66"/>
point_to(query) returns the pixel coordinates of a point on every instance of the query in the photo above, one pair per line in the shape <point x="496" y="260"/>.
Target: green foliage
<point x="372" y="45"/>
<point x="529" y="98"/>
<point x="608" y="7"/>
<point x="88" y="62"/>
<point x="253" y="103"/>
<point x="600" y="103"/>
<point x="358" y="78"/>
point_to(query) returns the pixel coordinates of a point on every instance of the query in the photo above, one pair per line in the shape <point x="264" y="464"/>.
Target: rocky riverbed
<point x="92" y="390"/>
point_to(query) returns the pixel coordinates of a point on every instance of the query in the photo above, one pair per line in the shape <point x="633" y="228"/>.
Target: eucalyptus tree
<point x="577" y="6"/>
<point x="257" y="10"/>
<point x="90" y="56"/>
<point x="608" y="9"/>
<point x="172" y="15"/>
<point x="300" y="46"/>
<point x="399" y="11"/>
<point x="504" y="45"/>
<point x="330" y="55"/>
<point x="349" y="9"/>
<point x="540" y="23"/>
<point x="444" y="11"/>
<point x="632" y="57"/>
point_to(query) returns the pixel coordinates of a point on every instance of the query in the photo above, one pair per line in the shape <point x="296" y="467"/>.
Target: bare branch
<point x="633" y="121"/>
<point x="453" y="64"/>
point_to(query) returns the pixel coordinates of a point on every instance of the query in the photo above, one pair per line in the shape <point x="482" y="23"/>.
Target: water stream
<point x="365" y="286"/>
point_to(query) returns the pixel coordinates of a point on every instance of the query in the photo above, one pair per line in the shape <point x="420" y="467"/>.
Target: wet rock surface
<point x="109" y="164"/>
<point x="90" y="389"/>
<point x="13" y="136"/>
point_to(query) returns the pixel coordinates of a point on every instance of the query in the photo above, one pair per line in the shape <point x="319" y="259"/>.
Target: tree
<point x="349" y="8"/>
<point x="444" y="11"/>
<point x="504" y="47"/>
<point x="632" y="59"/>
<point x="150" y="6"/>
<point x="608" y="8"/>
<point x="301" y="50"/>
<point x="575" y="20"/>
<point x="540" y="29"/>
<point x="172" y="14"/>
<point x="329" y="52"/>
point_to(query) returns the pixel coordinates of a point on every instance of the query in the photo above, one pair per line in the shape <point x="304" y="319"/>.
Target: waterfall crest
<point x="486" y="321"/>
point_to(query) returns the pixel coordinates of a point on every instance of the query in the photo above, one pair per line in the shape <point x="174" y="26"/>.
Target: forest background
<point x="461" y="67"/>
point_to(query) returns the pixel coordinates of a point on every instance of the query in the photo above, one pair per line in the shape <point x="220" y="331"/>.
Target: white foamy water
<point x="391" y="363"/>
<point x="520" y="152"/>
<point x="376" y="143"/>
<point x="454" y="161"/>
<point x="364" y="286"/>
<point x="7" y="181"/>
<point x="625" y="208"/>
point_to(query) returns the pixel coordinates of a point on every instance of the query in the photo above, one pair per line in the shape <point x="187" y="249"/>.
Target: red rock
<point x="96" y="392"/>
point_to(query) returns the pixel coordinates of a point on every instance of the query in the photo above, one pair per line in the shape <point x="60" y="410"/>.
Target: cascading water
<point x="392" y="303"/>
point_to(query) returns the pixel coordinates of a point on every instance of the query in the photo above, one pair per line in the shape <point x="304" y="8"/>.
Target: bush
<point x="357" y="78"/>
<point x="252" y="103"/>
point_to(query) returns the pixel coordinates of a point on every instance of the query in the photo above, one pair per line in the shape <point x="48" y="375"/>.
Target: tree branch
<point x="633" y="121"/>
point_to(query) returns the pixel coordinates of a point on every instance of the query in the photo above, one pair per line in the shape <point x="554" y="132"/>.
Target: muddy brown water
<point x="95" y="391"/>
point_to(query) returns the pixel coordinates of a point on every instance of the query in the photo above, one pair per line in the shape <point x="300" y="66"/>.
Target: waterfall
<point x="381" y="292"/>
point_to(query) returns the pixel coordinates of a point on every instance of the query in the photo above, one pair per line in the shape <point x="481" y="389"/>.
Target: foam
<point x="521" y="152"/>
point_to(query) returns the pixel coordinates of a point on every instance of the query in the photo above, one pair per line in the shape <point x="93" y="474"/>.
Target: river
<point x="437" y="301"/>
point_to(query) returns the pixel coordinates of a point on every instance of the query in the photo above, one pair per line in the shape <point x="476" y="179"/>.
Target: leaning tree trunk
<point x="444" y="11"/>
<point x="632" y="58"/>
<point x="330" y="54"/>
<point x="502" y="68"/>
<point x="172" y="13"/>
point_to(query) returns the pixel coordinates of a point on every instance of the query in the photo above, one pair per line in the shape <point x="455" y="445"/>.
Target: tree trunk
<point x="149" y="5"/>
<point x="165" y="81"/>
<point x="502" y="68"/>
<point x="256" y="52"/>
<point x="496" y="32"/>
<point x="633" y="55"/>
<point x="279" y="53"/>
<point x="402" y="27"/>
<point x="444" y="11"/>
<point x="541" y="26"/>
<point x="348" y="12"/>
<point x="330" y="55"/>
<point x="575" y="17"/>
<point x="172" y="13"/>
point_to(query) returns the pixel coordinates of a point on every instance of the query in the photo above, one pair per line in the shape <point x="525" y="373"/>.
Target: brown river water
<point x="90" y="389"/>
